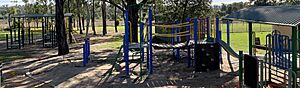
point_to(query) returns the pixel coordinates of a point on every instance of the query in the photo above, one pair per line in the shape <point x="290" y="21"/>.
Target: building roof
<point x="276" y="15"/>
<point x="39" y="15"/>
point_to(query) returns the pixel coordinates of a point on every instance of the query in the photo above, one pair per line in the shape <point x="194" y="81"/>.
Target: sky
<point x="219" y="2"/>
<point x="215" y="2"/>
<point x="8" y="2"/>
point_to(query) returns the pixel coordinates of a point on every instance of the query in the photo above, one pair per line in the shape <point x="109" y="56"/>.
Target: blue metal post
<point x="177" y="41"/>
<point x="217" y="30"/>
<point x="147" y="49"/>
<point x="88" y="49"/>
<point x="142" y="41"/>
<point x="218" y="38"/>
<point x="83" y="59"/>
<point x="188" y="28"/>
<point x="195" y="37"/>
<point x="228" y="37"/>
<point x="126" y="44"/>
<point x="208" y="27"/>
<point x="150" y="39"/>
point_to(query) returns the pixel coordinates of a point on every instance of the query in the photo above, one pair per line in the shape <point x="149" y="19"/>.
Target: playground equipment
<point x="16" y="34"/>
<point x="248" y="73"/>
<point x="20" y="33"/>
<point x="86" y="45"/>
<point x="212" y="32"/>
<point x="279" y="56"/>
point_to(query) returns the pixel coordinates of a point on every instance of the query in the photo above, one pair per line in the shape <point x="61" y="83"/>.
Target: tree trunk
<point x="104" y="18"/>
<point x="116" y="26"/>
<point x="69" y="9"/>
<point x="78" y="14"/>
<point x="82" y="23"/>
<point x="133" y="18"/>
<point x="79" y="24"/>
<point x="93" y="17"/>
<point x="61" y="38"/>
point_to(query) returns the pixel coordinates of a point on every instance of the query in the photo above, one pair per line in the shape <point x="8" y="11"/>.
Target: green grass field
<point x="239" y="39"/>
<point x="243" y="27"/>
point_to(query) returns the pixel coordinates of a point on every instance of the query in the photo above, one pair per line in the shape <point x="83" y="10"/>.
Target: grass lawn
<point x="243" y="27"/>
<point x="3" y="35"/>
<point x="240" y="41"/>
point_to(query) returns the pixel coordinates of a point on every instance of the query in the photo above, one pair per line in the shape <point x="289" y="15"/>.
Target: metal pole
<point x="188" y="39"/>
<point x="261" y="73"/>
<point x="150" y="39"/>
<point x="43" y="32"/>
<point x="19" y="34"/>
<point x="228" y="38"/>
<point x="250" y="38"/>
<point x="126" y="44"/>
<point x="141" y="48"/>
<point x="23" y="33"/>
<point x="6" y="41"/>
<point x="195" y="38"/>
<point x="241" y="70"/>
<point x="177" y="41"/>
<point x="207" y="27"/>
<point x="294" y="49"/>
<point x="28" y="24"/>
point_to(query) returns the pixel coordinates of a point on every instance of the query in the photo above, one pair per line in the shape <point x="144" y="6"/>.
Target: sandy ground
<point x="44" y="69"/>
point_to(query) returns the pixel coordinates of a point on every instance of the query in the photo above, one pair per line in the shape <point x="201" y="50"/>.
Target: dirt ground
<point x="44" y="69"/>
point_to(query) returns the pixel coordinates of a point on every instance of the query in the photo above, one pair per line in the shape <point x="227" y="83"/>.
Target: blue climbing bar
<point x="173" y="39"/>
<point x="188" y="28"/>
<point x="141" y="48"/>
<point x="150" y="40"/>
<point x="126" y="44"/>
<point x="217" y="30"/>
<point x="195" y="36"/>
<point x="142" y="41"/>
<point x="84" y="55"/>
<point x="177" y="41"/>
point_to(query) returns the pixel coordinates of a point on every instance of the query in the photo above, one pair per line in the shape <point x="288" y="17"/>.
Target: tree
<point x="274" y="2"/>
<point x="93" y="16"/>
<point x="61" y="38"/>
<point x="133" y="8"/>
<point x="172" y="10"/>
<point x="78" y="15"/>
<point x="104" y="18"/>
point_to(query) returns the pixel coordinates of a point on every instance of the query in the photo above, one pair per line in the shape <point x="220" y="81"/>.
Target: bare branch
<point x="124" y="4"/>
<point x="143" y="2"/>
<point x="114" y="4"/>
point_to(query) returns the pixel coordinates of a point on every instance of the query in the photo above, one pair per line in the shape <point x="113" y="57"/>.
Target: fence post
<point x="241" y="70"/>
<point x="6" y="41"/>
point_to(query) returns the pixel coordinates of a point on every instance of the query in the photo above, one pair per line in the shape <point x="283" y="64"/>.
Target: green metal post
<point x="241" y="70"/>
<point x="294" y="49"/>
<point x="250" y="38"/>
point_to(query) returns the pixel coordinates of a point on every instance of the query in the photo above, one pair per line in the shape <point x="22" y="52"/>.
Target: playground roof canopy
<point x="39" y="15"/>
<point x="276" y="15"/>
